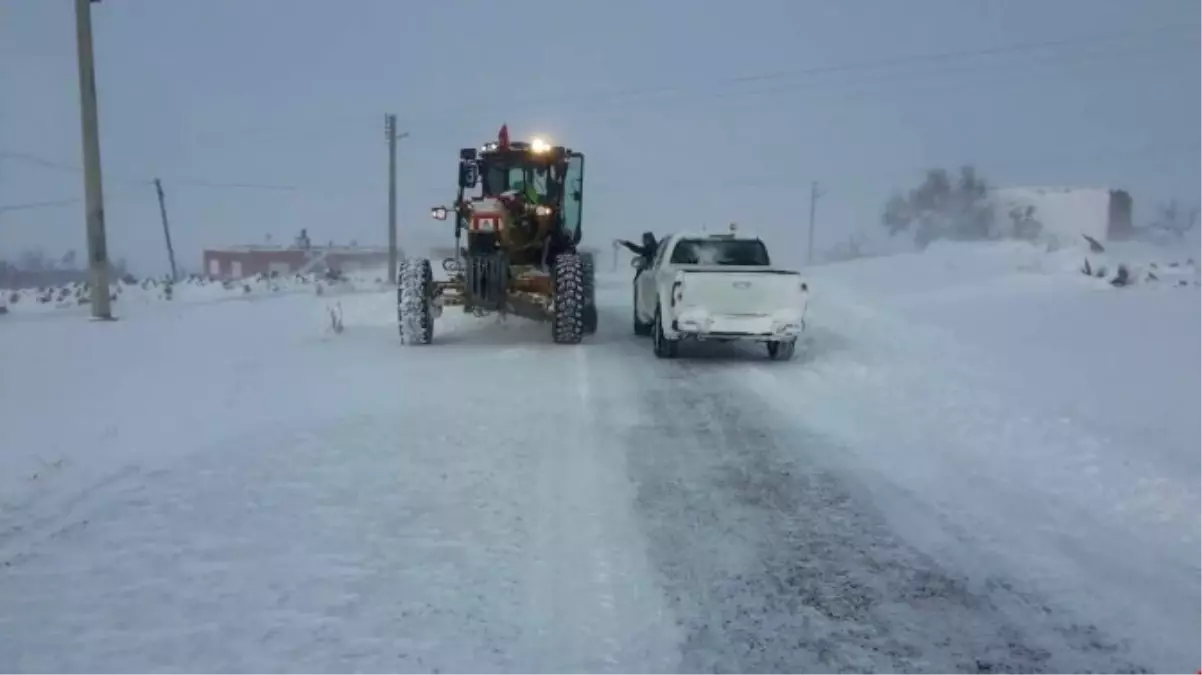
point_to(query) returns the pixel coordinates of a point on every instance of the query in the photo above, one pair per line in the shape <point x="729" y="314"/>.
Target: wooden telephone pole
<point x="391" y="133"/>
<point x="98" y="258"/>
<point x="815" y="193"/>
<point x="158" y="186"/>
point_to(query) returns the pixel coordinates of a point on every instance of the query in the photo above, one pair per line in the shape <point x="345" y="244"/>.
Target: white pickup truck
<point x="718" y="287"/>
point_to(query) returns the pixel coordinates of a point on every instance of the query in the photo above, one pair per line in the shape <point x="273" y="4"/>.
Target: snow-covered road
<point x="232" y="488"/>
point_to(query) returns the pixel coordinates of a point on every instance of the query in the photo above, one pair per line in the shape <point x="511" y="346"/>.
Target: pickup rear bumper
<point x="699" y="325"/>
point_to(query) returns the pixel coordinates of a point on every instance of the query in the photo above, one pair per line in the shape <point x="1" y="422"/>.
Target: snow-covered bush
<point x="192" y="288"/>
<point x="1140" y="263"/>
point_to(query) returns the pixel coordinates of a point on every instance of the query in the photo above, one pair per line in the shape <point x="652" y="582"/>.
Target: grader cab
<point x="517" y="225"/>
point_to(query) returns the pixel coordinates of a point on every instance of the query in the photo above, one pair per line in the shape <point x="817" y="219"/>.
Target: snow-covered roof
<point x="259" y="248"/>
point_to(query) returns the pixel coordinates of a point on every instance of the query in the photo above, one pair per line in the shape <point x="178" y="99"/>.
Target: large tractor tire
<point x="660" y="344"/>
<point x="589" y="266"/>
<point x="567" y="323"/>
<point x="415" y="315"/>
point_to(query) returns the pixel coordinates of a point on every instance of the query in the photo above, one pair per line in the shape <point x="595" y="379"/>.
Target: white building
<point x="1067" y="213"/>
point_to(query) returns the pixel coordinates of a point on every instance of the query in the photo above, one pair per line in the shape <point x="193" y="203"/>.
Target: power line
<point x="41" y="205"/>
<point x="53" y="164"/>
<point x="234" y="186"/>
<point x="37" y="160"/>
<point x="1055" y="50"/>
<point x="853" y="95"/>
<point x="1020" y="47"/>
<point x="765" y="181"/>
<point x="791" y="179"/>
<point x="956" y="69"/>
<point x="54" y="203"/>
<point x="1023" y="47"/>
<point x="1012" y="48"/>
<point x="949" y="78"/>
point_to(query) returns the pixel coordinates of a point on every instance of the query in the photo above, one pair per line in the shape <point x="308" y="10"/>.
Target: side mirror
<point x="637" y="262"/>
<point x="469" y="174"/>
<point x="439" y="212"/>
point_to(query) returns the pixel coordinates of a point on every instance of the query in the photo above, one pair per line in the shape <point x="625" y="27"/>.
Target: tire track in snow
<point x="593" y="590"/>
<point x="775" y="562"/>
<point x="601" y="568"/>
<point x="998" y="483"/>
<point x="30" y="524"/>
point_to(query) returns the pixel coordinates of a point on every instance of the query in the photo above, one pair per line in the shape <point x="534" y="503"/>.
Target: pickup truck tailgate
<point x="741" y="291"/>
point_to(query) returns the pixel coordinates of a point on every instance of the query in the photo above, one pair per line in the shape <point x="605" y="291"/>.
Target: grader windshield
<point x="548" y="176"/>
<point x="533" y="181"/>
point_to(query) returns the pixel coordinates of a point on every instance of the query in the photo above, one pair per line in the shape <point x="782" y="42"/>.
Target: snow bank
<point x="959" y="268"/>
<point x="75" y="297"/>
<point x="228" y="491"/>
<point x="1047" y="413"/>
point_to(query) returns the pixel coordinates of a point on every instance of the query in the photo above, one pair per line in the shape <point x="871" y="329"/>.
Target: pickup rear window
<point x="720" y="252"/>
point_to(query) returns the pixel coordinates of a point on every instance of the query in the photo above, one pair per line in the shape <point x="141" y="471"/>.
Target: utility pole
<point x="815" y="193"/>
<point x="158" y="186"/>
<point x="391" y="133"/>
<point x="98" y="259"/>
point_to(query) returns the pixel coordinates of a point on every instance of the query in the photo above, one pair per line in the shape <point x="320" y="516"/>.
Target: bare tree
<point x="942" y="208"/>
<point x="1172" y="220"/>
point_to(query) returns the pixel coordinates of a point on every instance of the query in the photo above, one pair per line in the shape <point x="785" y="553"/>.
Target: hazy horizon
<point x="262" y="118"/>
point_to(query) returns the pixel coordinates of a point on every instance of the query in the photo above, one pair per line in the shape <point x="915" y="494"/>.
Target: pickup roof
<point x="718" y="287"/>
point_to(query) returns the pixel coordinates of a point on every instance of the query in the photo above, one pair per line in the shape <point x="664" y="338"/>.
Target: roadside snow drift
<point x="137" y="294"/>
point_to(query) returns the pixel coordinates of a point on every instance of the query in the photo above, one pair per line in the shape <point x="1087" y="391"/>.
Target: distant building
<point x="1067" y="213"/>
<point x="237" y="262"/>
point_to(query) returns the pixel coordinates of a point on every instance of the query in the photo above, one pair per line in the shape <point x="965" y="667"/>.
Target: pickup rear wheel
<point x="640" y="328"/>
<point x="782" y="351"/>
<point x="664" y="348"/>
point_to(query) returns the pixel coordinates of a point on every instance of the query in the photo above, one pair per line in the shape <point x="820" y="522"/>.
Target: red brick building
<point x="237" y="262"/>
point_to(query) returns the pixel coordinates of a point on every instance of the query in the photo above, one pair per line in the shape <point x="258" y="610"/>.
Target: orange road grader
<point x="517" y="218"/>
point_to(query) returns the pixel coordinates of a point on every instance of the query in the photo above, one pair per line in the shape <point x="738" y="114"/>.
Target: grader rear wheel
<point x="589" y="268"/>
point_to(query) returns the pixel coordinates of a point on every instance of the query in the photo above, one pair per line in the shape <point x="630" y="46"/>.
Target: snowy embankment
<point x="190" y="290"/>
<point x="1046" y="415"/>
<point x="233" y="487"/>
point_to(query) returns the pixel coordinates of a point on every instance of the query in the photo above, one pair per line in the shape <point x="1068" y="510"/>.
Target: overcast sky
<point x="690" y="112"/>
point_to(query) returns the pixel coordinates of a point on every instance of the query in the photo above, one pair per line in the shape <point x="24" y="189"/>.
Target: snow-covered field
<point x="136" y="295"/>
<point x="982" y="461"/>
